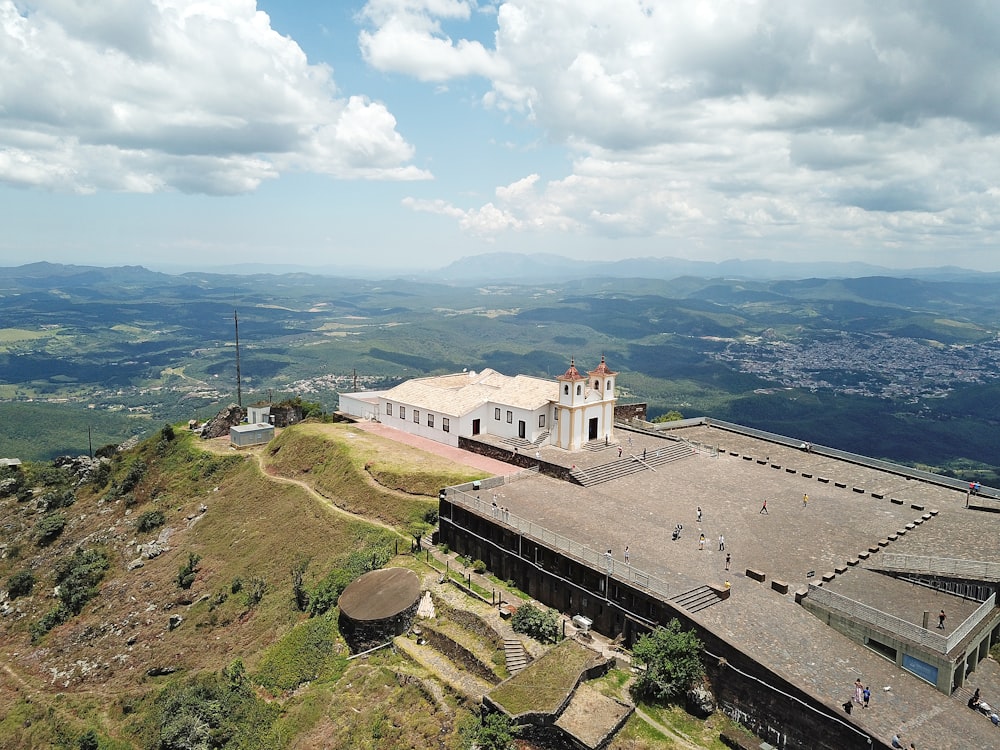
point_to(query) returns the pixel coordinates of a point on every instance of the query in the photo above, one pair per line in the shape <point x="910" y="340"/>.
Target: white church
<point x="567" y="412"/>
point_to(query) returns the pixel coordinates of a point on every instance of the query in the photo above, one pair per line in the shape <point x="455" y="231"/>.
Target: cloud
<point x="725" y="120"/>
<point x="143" y="96"/>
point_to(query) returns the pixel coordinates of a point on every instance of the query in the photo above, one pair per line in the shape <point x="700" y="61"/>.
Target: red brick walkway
<point x="459" y="456"/>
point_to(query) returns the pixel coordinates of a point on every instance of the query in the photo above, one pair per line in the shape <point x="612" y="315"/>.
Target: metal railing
<point x="600" y="561"/>
<point x="890" y="623"/>
<point x="975" y="570"/>
<point x="897" y="626"/>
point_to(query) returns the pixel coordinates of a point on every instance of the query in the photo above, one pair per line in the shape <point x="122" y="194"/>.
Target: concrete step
<point x="697" y="599"/>
<point x="516" y="656"/>
<point x="630" y="464"/>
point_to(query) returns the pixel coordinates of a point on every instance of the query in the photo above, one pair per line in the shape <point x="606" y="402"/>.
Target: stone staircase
<point x="599" y="445"/>
<point x="517" y="658"/>
<point x="697" y="599"/>
<point x="630" y="464"/>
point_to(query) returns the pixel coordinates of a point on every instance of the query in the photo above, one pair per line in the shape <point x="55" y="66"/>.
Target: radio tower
<point x="239" y="385"/>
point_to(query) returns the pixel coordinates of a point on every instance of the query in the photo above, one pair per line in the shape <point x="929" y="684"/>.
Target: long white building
<point x="566" y="412"/>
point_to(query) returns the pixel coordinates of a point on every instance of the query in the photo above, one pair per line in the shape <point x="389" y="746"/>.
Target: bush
<point x="151" y="519"/>
<point x="48" y="529"/>
<point x="540" y="624"/>
<point x="479" y="567"/>
<point x="672" y="661"/>
<point x="188" y="571"/>
<point x="78" y="577"/>
<point x="255" y="591"/>
<point x="58" y="499"/>
<point x="21" y="584"/>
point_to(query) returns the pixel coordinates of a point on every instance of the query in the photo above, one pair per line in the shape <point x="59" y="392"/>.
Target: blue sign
<point x="920" y="668"/>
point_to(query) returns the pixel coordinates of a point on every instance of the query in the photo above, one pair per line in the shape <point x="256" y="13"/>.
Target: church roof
<point x="462" y="392"/>
<point x="602" y="369"/>
<point x="572" y="373"/>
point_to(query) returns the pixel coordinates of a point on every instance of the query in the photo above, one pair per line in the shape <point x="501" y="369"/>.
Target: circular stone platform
<point x="377" y="606"/>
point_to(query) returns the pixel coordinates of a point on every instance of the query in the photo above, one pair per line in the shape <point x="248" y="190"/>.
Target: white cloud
<point x="723" y="120"/>
<point x="149" y="95"/>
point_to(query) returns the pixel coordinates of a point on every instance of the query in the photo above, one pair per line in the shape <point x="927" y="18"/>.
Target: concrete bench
<point x="807" y="474"/>
<point x="910" y="526"/>
<point x="824" y="480"/>
<point x="863" y="555"/>
<point x="853" y="561"/>
<point x="755" y="575"/>
<point x="893" y="537"/>
<point x="878" y="495"/>
<point x="790" y="471"/>
<point x="883" y="542"/>
<point x="801" y="594"/>
<point x="916" y="506"/>
<point x="780" y="586"/>
<point x="859" y="490"/>
<point x="895" y="501"/>
<point x="840" y="569"/>
<point x="873" y="550"/>
<point x="928" y="516"/>
<point x="775" y="466"/>
<point x="827" y="577"/>
<point x="842" y="485"/>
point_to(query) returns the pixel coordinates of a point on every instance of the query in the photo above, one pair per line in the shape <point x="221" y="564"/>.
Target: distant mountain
<point x="545" y="268"/>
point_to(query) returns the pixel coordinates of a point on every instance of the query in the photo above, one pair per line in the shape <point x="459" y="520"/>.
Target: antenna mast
<point x="239" y="385"/>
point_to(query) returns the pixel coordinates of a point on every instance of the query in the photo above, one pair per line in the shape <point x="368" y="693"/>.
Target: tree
<point x="540" y="624"/>
<point x="187" y="572"/>
<point x="670" y="416"/>
<point x="493" y="732"/>
<point x="672" y="661"/>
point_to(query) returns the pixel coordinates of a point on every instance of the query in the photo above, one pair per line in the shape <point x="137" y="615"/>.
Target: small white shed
<point x="245" y="435"/>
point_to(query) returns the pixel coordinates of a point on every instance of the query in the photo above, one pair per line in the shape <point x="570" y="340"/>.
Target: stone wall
<point x="628" y="412"/>
<point x="363" y="635"/>
<point x="518" y="459"/>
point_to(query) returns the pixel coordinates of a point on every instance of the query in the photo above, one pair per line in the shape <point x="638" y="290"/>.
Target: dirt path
<point x="678" y="738"/>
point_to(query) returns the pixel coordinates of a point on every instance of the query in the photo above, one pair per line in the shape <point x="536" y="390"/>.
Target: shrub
<point x="188" y="571"/>
<point x="479" y="567"/>
<point x="151" y="519"/>
<point x="540" y="624"/>
<point x="21" y="584"/>
<point x="57" y="499"/>
<point x="78" y="577"/>
<point x="255" y="591"/>
<point x="49" y="527"/>
<point x="492" y="732"/>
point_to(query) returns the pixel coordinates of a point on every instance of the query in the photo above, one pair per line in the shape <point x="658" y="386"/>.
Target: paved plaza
<point x="796" y="542"/>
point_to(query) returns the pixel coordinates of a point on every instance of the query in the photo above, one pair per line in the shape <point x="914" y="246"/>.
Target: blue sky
<point x="404" y="134"/>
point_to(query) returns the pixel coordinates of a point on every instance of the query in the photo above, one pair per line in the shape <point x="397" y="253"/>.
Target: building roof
<point x="572" y="373"/>
<point x="463" y="392"/>
<point x="602" y="369"/>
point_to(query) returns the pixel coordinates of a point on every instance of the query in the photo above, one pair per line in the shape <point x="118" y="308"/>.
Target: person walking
<point x="763" y="508"/>
<point x="867" y="695"/>
<point x="805" y="499"/>
<point x="722" y="542"/>
<point x="859" y="691"/>
<point x="941" y="617"/>
<point x="699" y="514"/>
<point x="727" y="561"/>
<point x="626" y="554"/>
<point x="701" y="541"/>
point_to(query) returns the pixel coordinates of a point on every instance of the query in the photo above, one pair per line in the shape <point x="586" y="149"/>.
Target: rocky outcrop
<point x="218" y="426"/>
<point x="83" y="468"/>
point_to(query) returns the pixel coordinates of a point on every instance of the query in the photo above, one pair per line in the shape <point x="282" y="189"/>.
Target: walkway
<point x="459" y="456"/>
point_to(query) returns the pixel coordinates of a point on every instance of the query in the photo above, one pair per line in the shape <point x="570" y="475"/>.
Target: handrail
<point x="976" y="570"/>
<point x="897" y="626"/>
<point x="600" y="561"/>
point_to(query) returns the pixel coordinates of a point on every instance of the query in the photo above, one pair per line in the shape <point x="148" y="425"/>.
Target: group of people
<point x="862" y="696"/>
<point x="977" y="703"/>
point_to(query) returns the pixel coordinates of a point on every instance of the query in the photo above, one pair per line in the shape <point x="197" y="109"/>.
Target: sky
<point x="405" y="134"/>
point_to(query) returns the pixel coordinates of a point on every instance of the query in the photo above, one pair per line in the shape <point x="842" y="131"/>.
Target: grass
<point x="544" y="684"/>
<point x="341" y="462"/>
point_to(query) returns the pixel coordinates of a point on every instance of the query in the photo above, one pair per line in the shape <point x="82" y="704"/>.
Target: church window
<point x="402" y="412"/>
<point x="388" y="409"/>
<point x="445" y="424"/>
<point x="510" y="417"/>
<point x="566" y="389"/>
<point x="416" y="416"/>
<point x="496" y="414"/>
<point x="609" y="386"/>
<point x="430" y="420"/>
<point x="541" y="420"/>
<point x="579" y="390"/>
<point x="597" y="385"/>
